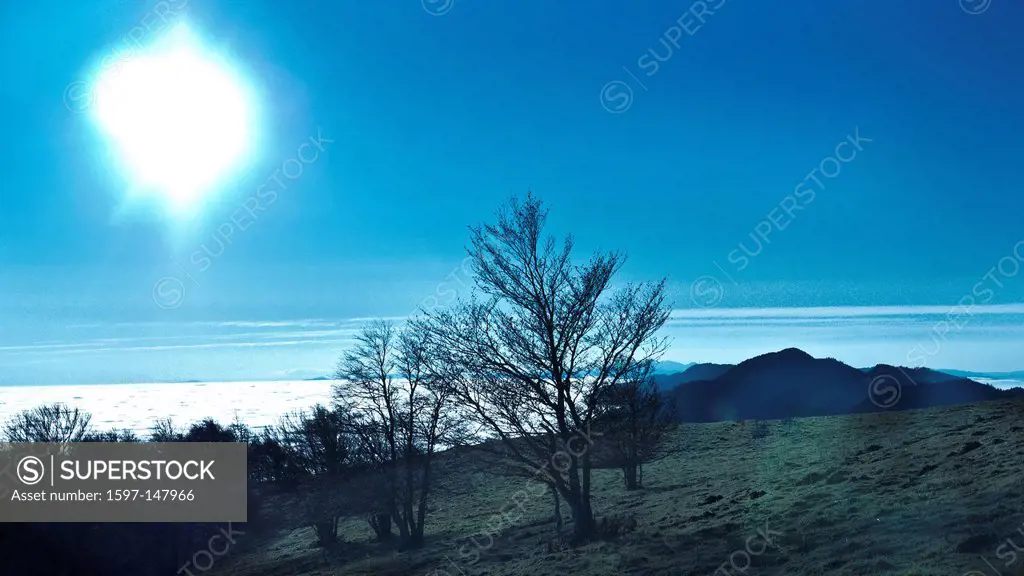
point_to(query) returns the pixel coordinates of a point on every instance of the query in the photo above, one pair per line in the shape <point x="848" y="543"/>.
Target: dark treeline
<point x="84" y="549"/>
<point x="545" y="368"/>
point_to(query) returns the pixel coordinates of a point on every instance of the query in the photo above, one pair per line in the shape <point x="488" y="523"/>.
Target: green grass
<point x="924" y="492"/>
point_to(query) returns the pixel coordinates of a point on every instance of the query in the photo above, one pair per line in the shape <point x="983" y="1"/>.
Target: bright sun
<point x="179" y="118"/>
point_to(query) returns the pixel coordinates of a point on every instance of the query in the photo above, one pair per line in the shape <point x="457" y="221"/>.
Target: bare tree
<point x="541" y="341"/>
<point x="317" y="447"/>
<point x="49" y="423"/>
<point x="164" y="431"/>
<point x="368" y="388"/>
<point x="269" y="459"/>
<point x="319" y="440"/>
<point x="401" y="403"/>
<point x="634" y="425"/>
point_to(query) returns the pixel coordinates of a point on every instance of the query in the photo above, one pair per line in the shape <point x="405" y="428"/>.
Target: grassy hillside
<point x="918" y="492"/>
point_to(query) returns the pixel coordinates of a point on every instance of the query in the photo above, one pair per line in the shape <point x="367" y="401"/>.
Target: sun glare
<point x="178" y="117"/>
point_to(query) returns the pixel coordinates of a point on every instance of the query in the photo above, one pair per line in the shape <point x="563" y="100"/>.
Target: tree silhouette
<point x="402" y="414"/>
<point x="634" y="424"/>
<point x="540" y="341"/>
<point x="49" y="423"/>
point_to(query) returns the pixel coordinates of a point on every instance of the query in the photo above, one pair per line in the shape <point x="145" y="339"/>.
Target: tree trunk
<point x="582" y="522"/>
<point x="171" y="537"/>
<point x="407" y="526"/>
<point x="381" y="524"/>
<point x="415" y="525"/>
<point x="408" y="519"/>
<point x="403" y="526"/>
<point x="553" y="444"/>
<point x="416" y="536"/>
<point x="421" y="512"/>
<point x="326" y="531"/>
<point x="582" y="514"/>
<point x="558" y="511"/>
<point x="629" y="476"/>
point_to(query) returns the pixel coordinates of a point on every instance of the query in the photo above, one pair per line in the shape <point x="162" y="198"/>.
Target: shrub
<point x="616" y="525"/>
<point x="760" y="430"/>
<point x="209" y="430"/>
<point x="49" y="423"/>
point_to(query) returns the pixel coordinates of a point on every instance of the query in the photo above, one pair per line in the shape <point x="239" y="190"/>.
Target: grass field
<point x="929" y="492"/>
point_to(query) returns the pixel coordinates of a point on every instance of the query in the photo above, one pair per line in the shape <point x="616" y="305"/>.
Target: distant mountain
<point x="670" y="367"/>
<point x="918" y="375"/>
<point x="319" y="378"/>
<point x="694" y="373"/>
<point x="911" y="376"/>
<point x="792" y="383"/>
<point x="945" y="393"/>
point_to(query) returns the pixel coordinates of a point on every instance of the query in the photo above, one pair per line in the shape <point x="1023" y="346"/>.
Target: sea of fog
<point x="1001" y="383"/>
<point x="138" y="406"/>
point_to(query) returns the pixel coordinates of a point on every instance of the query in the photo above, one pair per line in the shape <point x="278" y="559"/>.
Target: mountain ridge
<point x="791" y="383"/>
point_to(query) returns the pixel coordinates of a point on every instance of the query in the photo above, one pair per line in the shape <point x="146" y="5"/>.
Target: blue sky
<point x="436" y="119"/>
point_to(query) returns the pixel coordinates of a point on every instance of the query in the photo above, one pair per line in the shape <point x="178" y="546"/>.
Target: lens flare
<point x="178" y="117"/>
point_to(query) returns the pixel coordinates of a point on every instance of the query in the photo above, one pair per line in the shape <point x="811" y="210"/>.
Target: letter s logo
<point x="30" y="470"/>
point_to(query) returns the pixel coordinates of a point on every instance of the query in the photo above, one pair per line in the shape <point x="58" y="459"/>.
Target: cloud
<point x="842" y="311"/>
<point x="301" y="323"/>
<point x="208" y="345"/>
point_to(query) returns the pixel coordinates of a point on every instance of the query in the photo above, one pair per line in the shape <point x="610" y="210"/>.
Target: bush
<point x="759" y="430"/>
<point x="209" y="430"/>
<point x="789" y="425"/>
<point x="164" y="431"/>
<point x="49" y="423"/>
<point x="615" y="525"/>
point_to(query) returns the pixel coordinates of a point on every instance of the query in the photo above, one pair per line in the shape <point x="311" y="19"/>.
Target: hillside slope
<point x="922" y="492"/>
